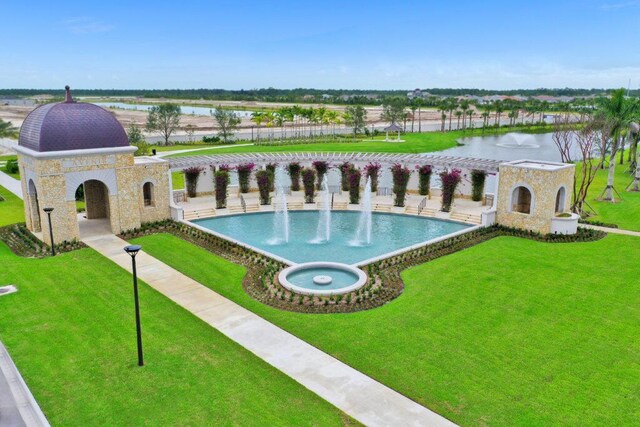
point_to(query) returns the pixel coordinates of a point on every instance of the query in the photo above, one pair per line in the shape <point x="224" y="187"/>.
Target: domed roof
<point x="71" y="125"/>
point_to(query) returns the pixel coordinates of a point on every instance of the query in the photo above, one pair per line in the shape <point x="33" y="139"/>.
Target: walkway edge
<point x="29" y="409"/>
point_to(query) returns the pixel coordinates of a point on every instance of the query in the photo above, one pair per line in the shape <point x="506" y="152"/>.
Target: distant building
<point x="15" y="101"/>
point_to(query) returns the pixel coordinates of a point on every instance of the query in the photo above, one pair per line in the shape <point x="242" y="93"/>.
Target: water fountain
<point x="363" y="234"/>
<point x="323" y="232"/>
<point x="521" y="140"/>
<point x="281" y="217"/>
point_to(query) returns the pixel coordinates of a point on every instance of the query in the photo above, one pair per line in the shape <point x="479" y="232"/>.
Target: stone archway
<point x="96" y="218"/>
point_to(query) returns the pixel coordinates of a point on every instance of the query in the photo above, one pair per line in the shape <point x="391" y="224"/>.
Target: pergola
<point x="393" y="128"/>
<point x="388" y="159"/>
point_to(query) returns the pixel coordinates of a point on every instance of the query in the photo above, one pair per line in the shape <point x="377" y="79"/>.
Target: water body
<point x="390" y="232"/>
<point x="510" y="146"/>
<point x="186" y="109"/>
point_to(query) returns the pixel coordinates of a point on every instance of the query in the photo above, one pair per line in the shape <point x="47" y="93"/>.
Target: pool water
<point x="339" y="278"/>
<point x="390" y="232"/>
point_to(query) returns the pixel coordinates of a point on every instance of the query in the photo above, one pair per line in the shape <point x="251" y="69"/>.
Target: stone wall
<point x="544" y="185"/>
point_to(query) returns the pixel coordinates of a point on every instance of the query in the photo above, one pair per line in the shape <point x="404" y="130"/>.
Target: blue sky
<point x="321" y="44"/>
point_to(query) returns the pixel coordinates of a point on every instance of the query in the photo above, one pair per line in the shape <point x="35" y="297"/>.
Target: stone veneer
<point x="544" y="179"/>
<point x="56" y="176"/>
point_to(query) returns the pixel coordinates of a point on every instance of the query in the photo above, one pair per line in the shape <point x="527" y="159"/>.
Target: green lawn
<point x="177" y="180"/>
<point x="70" y="330"/>
<point x="11" y="209"/>
<point x="547" y="335"/>
<point x="626" y="212"/>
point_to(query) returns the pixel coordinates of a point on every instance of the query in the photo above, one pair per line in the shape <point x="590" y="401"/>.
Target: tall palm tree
<point x="452" y="105"/>
<point x="498" y="107"/>
<point x="258" y="117"/>
<point x="618" y="112"/>
<point x="7" y="130"/>
<point x="458" y="115"/>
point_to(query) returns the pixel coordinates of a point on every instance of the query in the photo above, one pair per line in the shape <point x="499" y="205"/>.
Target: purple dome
<point x="71" y="125"/>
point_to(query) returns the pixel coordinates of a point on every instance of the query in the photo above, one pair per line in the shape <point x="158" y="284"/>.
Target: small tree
<point x="191" y="177"/>
<point x="8" y="130"/>
<point x="321" y="168"/>
<point x="294" y="172"/>
<point x="393" y="110"/>
<point x="344" y="175"/>
<point x="354" y="185"/>
<point x="400" y="176"/>
<point x="137" y="140"/>
<point x="263" y="177"/>
<point x="424" y="177"/>
<point x="477" y="184"/>
<point x="191" y="130"/>
<point x="450" y="181"/>
<point x="356" y="117"/>
<point x="227" y="121"/>
<point x="221" y="181"/>
<point x="164" y="119"/>
<point x="372" y="171"/>
<point x="244" y="175"/>
<point x="271" y="168"/>
<point x="308" y="180"/>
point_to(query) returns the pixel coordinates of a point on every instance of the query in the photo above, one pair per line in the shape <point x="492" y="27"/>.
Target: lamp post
<point x="133" y="250"/>
<point x="48" y="212"/>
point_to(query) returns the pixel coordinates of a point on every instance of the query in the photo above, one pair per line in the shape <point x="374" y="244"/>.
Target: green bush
<point x="12" y="166"/>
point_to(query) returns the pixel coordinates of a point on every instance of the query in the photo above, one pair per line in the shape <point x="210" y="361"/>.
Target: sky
<point x="327" y="44"/>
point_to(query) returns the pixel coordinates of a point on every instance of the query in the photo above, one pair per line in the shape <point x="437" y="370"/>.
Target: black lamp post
<point x="133" y="250"/>
<point x="48" y="212"/>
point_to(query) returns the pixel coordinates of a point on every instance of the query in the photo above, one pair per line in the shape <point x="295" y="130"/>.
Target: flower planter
<point x="565" y="225"/>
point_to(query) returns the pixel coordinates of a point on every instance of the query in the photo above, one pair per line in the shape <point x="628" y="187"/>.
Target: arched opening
<point x="34" y="207"/>
<point x="96" y="199"/>
<point x="521" y="200"/>
<point x="560" y="200"/>
<point x="147" y="194"/>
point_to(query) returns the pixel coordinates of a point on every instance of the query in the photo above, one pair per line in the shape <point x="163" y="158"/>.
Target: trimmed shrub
<point x="372" y="172"/>
<point x="344" y="175"/>
<point x="191" y="177"/>
<point x="271" y="168"/>
<point x="244" y="175"/>
<point x="294" y="173"/>
<point x="308" y="180"/>
<point x="477" y="184"/>
<point x="450" y="181"/>
<point x="424" y="174"/>
<point x="401" y="176"/>
<point x="221" y="180"/>
<point x="321" y="168"/>
<point x="264" y="184"/>
<point x="354" y="186"/>
<point x="12" y="166"/>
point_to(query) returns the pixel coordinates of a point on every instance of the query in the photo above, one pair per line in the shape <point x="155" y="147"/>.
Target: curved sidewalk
<point x="356" y="394"/>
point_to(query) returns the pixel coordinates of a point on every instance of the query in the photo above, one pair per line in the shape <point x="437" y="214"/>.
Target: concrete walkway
<point x="213" y="147"/>
<point x="612" y="230"/>
<point x="11" y="184"/>
<point x="18" y="408"/>
<point x="356" y="394"/>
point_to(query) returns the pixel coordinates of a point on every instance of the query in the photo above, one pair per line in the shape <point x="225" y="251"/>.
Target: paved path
<point x="18" y="408"/>
<point x="11" y="184"/>
<point x="213" y="147"/>
<point x="354" y="393"/>
<point x="612" y="230"/>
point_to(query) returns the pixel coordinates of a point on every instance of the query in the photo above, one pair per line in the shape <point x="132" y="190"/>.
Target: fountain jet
<point x="363" y="235"/>
<point x="281" y="217"/>
<point x="323" y="233"/>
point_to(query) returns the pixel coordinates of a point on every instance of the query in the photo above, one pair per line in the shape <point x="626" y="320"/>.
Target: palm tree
<point x="499" y="108"/>
<point x="469" y="113"/>
<point x="464" y="106"/>
<point x="452" y="105"/>
<point x="458" y="115"/>
<point x="257" y="117"/>
<point x="7" y="130"/>
<point x="618" y="112"/>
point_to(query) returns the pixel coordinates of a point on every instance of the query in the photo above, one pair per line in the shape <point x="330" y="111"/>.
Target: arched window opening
<point x="521" y="200"/>
<point x="147" y="194"/>
<point x="560" y="200"/>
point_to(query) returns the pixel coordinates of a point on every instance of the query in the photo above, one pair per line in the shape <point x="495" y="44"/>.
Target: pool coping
<point x="362" y="278"/>
<point x="357" y="264"/>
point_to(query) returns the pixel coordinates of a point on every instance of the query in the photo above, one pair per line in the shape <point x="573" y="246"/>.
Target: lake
<point x="186" y="109"/>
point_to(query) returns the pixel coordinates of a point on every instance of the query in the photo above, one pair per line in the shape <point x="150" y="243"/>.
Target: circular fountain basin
<point x="322" y="278"/>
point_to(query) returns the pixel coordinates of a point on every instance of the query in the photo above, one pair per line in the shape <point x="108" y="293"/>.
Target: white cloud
<point x="86" y="25"/>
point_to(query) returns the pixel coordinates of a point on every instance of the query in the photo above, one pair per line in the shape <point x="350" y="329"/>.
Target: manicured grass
<point x="70" y="329"/>
<point x="11" y="208"/>
<point x="509" y="332"/>
<point x="182" y="146"/>
<point x="626" y="212"/>
<point x="177" y="180"/>
<point x="414" y="143"/>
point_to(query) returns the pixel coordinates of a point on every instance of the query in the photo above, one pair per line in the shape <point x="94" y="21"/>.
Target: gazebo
<point x="393" y="128"/>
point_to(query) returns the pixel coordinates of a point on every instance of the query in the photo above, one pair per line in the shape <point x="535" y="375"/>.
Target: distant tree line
<point x="300" y="95"/>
